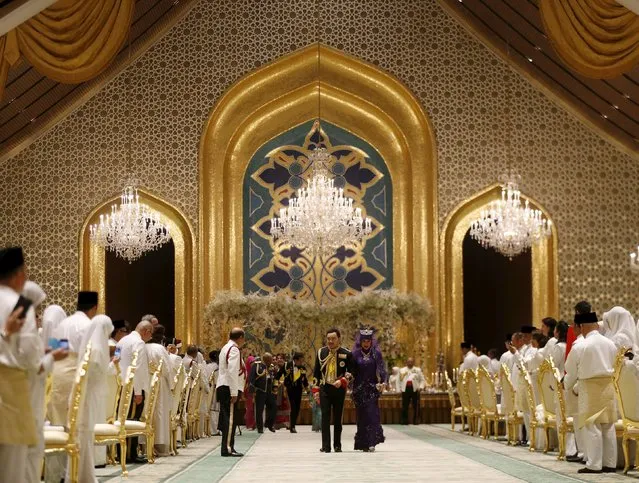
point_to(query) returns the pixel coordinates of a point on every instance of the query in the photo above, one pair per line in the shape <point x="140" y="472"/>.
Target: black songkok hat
<point x="590" y="318"/>
<point x="10" y="259"/>
<point x="465" y="345"/>
<point x="119" y="324"/>
<point x="88" y="298"/>
<point x="527" y="329"/>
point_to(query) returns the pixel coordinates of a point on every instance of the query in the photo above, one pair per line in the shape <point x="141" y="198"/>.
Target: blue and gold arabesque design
<point x="279" y="168"/>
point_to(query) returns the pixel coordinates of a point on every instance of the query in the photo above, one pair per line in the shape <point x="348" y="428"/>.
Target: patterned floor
<point x="411" y="453"/>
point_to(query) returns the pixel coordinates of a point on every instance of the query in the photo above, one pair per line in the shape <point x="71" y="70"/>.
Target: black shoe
<point x="233" y="454"/>
<point x="608" y="469"/>
<point x="588" y="470"/>
<point x="293" y="430"/>
<point x="260" y="431"/>
<point x="573" y="458"/>
<point x="325" y="450"/>
<point x="338" y="449"/>
<point x="271" y="429"/>
<point x="140" y="460"/>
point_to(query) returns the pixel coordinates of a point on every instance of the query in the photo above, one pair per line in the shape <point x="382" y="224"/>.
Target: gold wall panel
<point x="545" y="287"/>
<point x="92" y="262"/>
<point x="357" y="97"/>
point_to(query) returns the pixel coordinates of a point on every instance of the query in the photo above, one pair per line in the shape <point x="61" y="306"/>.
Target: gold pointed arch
<point x="545" y="282"/>
<point x="92" y="261"/>
<point x="356" y="96"/>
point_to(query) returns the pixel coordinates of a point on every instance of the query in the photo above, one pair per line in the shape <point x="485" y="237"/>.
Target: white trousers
<point x="571" y="446"/>
<point x="35" y="456"/>
<point x="580" y="438"/>
<point x="13" y="460"/>
<point x="601" y="446"/>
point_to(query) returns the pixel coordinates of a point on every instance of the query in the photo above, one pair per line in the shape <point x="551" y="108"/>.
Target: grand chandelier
<point x="131" y="229"/>
<point x="320" y="218"/>
<point x="507" y="225"/>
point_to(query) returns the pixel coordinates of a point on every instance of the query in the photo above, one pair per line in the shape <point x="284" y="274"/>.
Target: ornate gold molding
<point x="545" y="282"/>
<point x="355" y="96"/>
<point x="92" y="262"/>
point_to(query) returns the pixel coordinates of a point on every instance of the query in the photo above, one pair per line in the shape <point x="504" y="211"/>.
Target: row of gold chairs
<point x="478" y="390"/>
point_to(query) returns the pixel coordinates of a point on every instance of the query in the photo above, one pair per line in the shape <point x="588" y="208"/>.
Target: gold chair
<point x="177" y="392"/>
<point x="455" y="411"/>
<point x="114" y="431"/>
<point x="209" y="404"/>
<point x="566" y="423"/>
<point x="514" y="418"/>
<point x="472" y="389"/>
<point x="193" y="406"/>
<point x="625" y="382"/>
<point x="183" y="409"/>
<point x="146" y="428"/>
<point x="465" y="402"/>
<point x="524" y="379"/>
<point x="67" y="441"/>
<point x="490" y="410"/>
<point x="548" y="388"/>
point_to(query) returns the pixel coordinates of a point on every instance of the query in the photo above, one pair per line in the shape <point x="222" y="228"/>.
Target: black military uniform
<point x="328" y="369"/>
<point x="294" y="388"/>
<point x="261" y="383"/>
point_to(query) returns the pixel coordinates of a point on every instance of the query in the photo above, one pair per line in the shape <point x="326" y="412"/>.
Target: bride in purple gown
<point x="370" y="375"/>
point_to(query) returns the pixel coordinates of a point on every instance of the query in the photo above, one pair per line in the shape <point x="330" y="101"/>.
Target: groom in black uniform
<point x="294" y="374"/>
<point x="333" y="368"/>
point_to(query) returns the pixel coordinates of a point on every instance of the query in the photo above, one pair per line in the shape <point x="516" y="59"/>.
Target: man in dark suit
<point x="261" y="384"/>
<point x="294" y="374"/>
<point x="333" y="368"/>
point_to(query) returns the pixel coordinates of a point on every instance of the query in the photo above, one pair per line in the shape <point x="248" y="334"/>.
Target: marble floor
<point x="411" y="453"/>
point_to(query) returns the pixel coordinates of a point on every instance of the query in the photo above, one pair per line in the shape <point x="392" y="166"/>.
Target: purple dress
<point x="369" y="370"/>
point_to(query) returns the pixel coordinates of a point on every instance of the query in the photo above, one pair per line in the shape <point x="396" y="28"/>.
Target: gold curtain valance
<point x="597" y="38"/>
<point x="72" y="41"/>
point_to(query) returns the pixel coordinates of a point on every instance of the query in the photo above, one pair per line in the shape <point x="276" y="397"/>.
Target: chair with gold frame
<point x="514" y="418"/>
<point x="490" y="410"/>
<point x="548" y="389"/>
<point x="465" y="401"/>
<point x="625" y="382"/>
<point x="182" y="415"/>
<point x="177" y="391"/>
<point x="566" y="423"/>
<point x="67" y="441"/>
<point x="193" y="406"/>
<point x="114" y="431"/>
<point x="472" y="389"/>
<point x="145" y="427"/>
<point x="455" y="411"/>
<point x="209" y="404"/>
<point x="524" y="380"/>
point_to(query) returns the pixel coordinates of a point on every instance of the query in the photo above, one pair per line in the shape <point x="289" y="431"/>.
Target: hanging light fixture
<point x="319" y="218"/>
<point x="509" y="226"/>
<point x="131" y="228"/>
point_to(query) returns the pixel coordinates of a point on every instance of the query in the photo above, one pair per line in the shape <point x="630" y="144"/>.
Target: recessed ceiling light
<point x="529" y="59"/>
<point x="604" y="116"/>
<point x="627" y="96"/>
<point x="537" y="48"/>
<point x="615" y="106"/>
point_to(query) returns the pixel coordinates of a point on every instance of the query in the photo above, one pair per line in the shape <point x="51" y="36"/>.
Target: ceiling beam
<point x="19" y="11"/>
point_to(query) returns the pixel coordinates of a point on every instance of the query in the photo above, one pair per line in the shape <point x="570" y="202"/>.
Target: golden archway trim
<point x="545" y="282"/>
<point x="92" y="261"/>
<point x="357" y="97"/>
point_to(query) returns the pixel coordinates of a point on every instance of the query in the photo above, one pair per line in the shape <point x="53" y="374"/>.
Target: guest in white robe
<point x="620" y="328"/>
<point x="94" y="405"/>
<point x="175" y="359"/>
<point x="548" y="325"/>
<point x="591" y="363"/>
<point x="494" y="366"/>
<point x="558" y="351"/>
<point x="393" y="380"/>
<point x="483" y="360"/>
<point x="162" y="418"/>
<point x="214" y="357"/>
<point x="190" y="358"/>
<point x="52" y="316"/>
<point x="470" y="358"/>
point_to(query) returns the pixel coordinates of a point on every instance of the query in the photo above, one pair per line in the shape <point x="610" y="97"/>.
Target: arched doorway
<point x="497" y="294"/>
<point x="544" y="278"/>
<point x="92" y="266"/>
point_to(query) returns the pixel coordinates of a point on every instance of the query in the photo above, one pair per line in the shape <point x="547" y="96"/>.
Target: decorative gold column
<point x="356" y="96"/>
<point x="92" y="262"/>
<point x="545" y="285"/>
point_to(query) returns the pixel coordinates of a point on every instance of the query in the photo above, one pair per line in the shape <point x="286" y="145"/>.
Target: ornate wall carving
<point x="588" y="187"/>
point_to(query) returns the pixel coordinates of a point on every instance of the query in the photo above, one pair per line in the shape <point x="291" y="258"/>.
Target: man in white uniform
<point x="493" y="366"/>
<point x="136" y="342"/>
<point x="471" y="361"/>
<point x="591" y="364"/>
<point x="230" y="382"/>
<point x="411" y="382"/>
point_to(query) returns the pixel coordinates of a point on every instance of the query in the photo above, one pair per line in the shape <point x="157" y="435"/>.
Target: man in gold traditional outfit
<point x="590" y="365"/>
<point x="333" y="368"/>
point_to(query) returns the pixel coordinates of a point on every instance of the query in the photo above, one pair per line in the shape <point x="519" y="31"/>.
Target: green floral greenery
<point x="400" y="319"/>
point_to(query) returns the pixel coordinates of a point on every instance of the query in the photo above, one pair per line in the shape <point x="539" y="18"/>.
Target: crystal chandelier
<point x="507" y="225"/>
<point x="131" y="229"/>
<point x="320" y="218"/>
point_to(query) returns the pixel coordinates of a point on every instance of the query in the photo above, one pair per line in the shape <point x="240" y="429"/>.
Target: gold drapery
<point x="596" y="38"/>
<point x="72" y="41"/>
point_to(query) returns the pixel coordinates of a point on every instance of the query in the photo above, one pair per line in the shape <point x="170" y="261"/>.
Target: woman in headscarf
<point x="370" y="374"/>
<point x="156" y="353"/>
<point x="249" y="413"/>
<point x="94" y="405"/>
<point x="620" y="327"/>
<point x="51" y="318"/>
